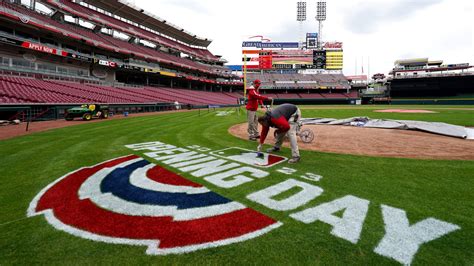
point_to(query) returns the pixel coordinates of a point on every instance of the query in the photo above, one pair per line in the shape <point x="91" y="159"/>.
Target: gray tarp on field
<point x="432" y="127"/>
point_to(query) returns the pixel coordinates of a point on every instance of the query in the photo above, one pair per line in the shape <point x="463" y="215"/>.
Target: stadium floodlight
<point x="301" y="11"/>
<point x="300" y="17"/>
<point x="321" y="11"/>
<point x="320" y="17"/>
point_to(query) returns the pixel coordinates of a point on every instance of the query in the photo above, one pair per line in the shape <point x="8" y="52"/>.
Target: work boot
<point x="294" y="160"/>
<point x="273" y="149"/>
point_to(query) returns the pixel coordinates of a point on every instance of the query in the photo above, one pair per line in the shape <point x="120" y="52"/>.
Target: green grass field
<point x="443" y="190"/>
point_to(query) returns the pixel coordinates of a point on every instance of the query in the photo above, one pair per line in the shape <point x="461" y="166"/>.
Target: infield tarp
<point x="431" y="127"/>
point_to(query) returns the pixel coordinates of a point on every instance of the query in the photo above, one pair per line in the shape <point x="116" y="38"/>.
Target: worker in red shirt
<point x="285" y="119"/>
<point x="254" y="100"/>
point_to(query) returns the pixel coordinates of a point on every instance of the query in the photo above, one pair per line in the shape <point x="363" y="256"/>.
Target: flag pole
<point x="245" y="75"/>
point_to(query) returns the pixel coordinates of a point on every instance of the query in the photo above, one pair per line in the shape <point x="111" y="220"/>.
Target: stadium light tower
<point x="320" y="17"/>
<point x="300" y="17"/>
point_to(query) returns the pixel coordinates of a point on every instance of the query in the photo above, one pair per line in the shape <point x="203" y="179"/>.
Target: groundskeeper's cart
<point x="87" y="112"/>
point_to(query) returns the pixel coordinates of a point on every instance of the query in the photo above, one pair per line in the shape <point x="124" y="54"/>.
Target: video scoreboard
<point x="290" y="55"/>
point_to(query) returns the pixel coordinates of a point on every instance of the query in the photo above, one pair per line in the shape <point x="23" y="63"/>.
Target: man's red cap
<point x="257" y="81"/>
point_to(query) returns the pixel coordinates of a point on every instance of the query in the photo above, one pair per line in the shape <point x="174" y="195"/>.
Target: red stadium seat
<point x="27" y="90"/>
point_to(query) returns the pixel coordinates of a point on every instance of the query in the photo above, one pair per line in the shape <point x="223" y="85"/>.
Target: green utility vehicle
<point x="87" y="112"/>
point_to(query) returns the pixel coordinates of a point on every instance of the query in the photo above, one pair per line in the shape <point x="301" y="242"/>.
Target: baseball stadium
<point x="125" y="140"/>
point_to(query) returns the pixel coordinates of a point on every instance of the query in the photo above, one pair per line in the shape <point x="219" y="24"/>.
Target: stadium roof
<point x="412" y="62"/>
<point x="435" y="63"/>
<point x="136" y="14"/>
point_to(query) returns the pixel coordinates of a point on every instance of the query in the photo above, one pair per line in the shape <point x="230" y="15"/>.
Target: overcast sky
<point x="379" y="31"/>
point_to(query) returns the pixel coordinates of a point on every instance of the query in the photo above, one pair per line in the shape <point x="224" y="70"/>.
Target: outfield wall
<point x="44" y="112"/>
<point x="317" y="101"/>
<point x="432" y="87"/>
<point x="433" y="101"/>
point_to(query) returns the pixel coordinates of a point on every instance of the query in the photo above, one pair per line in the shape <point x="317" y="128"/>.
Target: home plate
<point x="249" y="157"/>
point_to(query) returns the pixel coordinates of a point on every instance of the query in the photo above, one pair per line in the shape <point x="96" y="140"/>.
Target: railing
<point x="19" y="115"/>
<point x="40" y="114"/>
<point x="24" y="111"/>
<point x="432" y="75"/>
<point x="43" y="112"/>
<point x="29" y="72"/>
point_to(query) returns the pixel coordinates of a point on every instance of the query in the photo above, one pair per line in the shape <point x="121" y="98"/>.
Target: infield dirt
<point x="379" y="142"/>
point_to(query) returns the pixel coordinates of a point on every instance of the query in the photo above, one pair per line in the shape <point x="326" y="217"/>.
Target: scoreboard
<point x="265" y="60"/>
<point x="288" y="55"/>
<point x="319" y="59"/>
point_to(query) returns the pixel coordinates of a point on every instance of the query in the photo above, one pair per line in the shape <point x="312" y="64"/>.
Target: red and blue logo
<point x="131" y="201"/>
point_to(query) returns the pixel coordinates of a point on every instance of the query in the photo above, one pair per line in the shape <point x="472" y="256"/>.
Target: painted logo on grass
<point x="131" y="201"/>
<point x="249" y="157"/>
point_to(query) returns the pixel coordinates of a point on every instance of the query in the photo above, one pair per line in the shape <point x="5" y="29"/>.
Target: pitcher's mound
<point x="378" y="142"/>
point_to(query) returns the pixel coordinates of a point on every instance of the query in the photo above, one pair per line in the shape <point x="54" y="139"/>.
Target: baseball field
<point x="178" y="188"/>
